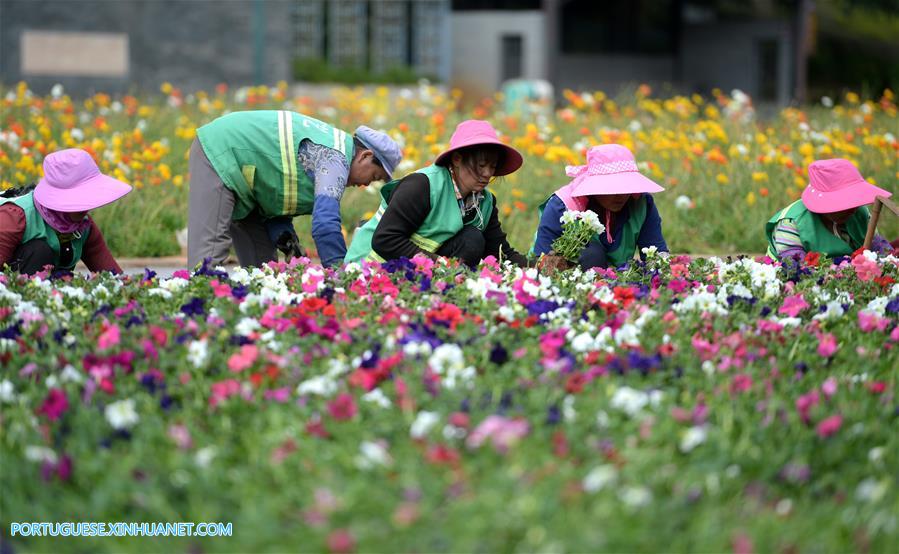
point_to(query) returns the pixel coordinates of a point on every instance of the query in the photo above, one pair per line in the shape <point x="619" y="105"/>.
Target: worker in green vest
<point x="48" y="225"/>
<point x="251" y="172"/>
<point x="444" y="209"/>
<point x="830" y="218"/>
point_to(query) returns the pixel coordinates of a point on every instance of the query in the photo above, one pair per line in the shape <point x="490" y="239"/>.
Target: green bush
<point x="315" y="70"/>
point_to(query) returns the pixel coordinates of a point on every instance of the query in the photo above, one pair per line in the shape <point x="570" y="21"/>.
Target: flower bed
<point x="681" y="404"/>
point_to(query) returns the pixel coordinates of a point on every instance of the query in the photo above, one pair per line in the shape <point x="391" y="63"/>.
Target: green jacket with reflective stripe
<point x="255" y="154"/>
<point x="37" y="228"/>
<point x="443" y="221"/>
<point x="815" y="237"/>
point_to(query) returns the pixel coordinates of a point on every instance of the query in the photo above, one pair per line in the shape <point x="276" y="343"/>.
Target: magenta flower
<point x="868" y="322"/>
<point x="54" y="405"/>
<point x="829" y="426"/>
<point x="793" y="305"/>
<point x="501" y="431"/>
<point x="741" y="382"/>
<point x="343" y="407"/>
<point x="109" y="337"/>
<point x="805" y="403"/>
<point x="827" y="345"/>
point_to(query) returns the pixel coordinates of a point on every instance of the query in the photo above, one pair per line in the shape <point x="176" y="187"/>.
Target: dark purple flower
<point x="540" y="307"/>
<point x="498" y="354"/>
<point x="893" y="306"/>
<point x="425" y="284"/>
<point x="240" y="340"/>
<point x="209" y="272"/>
<point x="239" y="291"/>
<point x="149" y="274"/>
<point x="553" y="415"/>
<point x="194" y="306"/>
<point x="13" y="331"/>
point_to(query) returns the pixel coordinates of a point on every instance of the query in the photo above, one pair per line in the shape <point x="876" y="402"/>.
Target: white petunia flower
<point x="423" y="423"/>
<point x="198" y="353"/>
<point x="121" y="414"/>
<point x="599" y="478"/>
<point x="693" y="437"/>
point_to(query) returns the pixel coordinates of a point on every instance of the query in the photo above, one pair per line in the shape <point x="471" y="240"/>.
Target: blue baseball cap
<point x="385" y="149"/>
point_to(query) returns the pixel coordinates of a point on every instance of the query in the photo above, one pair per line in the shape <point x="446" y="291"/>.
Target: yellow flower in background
<point x="852" y="98"/>
<point x="759" y="176"/>
<point x="722" y="179"/>
<point x="166" y="88"/>
<point x="750" y="199"/>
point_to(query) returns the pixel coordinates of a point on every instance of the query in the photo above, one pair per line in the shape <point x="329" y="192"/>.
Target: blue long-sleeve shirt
<point x="329" y="170"/>
<point x="550" y="227"/>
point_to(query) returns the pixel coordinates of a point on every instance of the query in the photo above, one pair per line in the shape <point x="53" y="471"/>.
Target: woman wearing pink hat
<point x="49" y="226"/>
<point x="827" y="218"/>
<point x="612" y="186"/>
<point x="444" y="209"/>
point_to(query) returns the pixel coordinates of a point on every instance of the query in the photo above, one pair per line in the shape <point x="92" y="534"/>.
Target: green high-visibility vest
<point x="443" y="221"/>
<point x="815" y="237"/>
<point x="255" y="154"/>
<point x="37" y="228"/>
<point x="628" y="245"/>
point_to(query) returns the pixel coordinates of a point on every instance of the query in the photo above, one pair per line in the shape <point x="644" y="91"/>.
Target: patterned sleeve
<point x="326" y="167"/>
<point x="329" y="170"/>
<point x="786" y="240"/>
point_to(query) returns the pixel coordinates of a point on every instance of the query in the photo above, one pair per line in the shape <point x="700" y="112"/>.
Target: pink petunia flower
<point x="243" y="359"/>
<point x="827" y="345"/>
<point x="805" y="403"/>
<point x="866" y="269"/>
<point x="829" y="426"/>
<point x="109" y="337"/>
<point x="501" y="431"/>
<point x="829" y="387"/>
<point x="868" y="322"/>
<point x="793" y="305"/>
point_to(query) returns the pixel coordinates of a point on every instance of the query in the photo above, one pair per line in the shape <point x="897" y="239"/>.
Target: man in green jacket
<point x="251" y="172"/>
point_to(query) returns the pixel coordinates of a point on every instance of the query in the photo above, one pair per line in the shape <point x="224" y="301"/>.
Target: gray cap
<point x="385" y="149"/>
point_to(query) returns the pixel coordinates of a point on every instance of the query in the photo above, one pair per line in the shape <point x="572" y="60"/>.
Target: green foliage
<point x="320" y="71"/>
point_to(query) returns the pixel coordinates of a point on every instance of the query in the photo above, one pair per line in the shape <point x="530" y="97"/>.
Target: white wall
<point x="477" y="47"/>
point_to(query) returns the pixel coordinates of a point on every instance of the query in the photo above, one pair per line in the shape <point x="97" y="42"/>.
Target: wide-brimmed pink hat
<point x="72" y="182"/>
<point x="610" y="169"/>
<point x="836" y="185"/>
<point x="474" y="132"/>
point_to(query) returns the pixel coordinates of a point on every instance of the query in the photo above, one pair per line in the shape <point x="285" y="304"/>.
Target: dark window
<point x="462" y="5"/>
<point x="619" y="26"/>
<point x="512" y="56"/>
<point x="768" y="51"/>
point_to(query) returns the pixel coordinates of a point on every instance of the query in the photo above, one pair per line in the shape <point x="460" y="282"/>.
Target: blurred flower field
<point x="726" y="169"/>
<point x="678" y="405"/>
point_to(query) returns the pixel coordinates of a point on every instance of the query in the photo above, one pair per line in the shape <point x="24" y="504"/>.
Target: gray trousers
<point x="210" y="229"/>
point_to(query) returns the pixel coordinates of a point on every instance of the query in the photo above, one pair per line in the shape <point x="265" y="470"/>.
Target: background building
<point x="759" y="46"/>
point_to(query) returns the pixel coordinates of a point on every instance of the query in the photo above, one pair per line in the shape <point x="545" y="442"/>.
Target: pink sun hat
<point x="610" y="169"/>
<point x="475" y="132"/>
<point x="72" y="182"/>
<point x="836" y="185"/>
